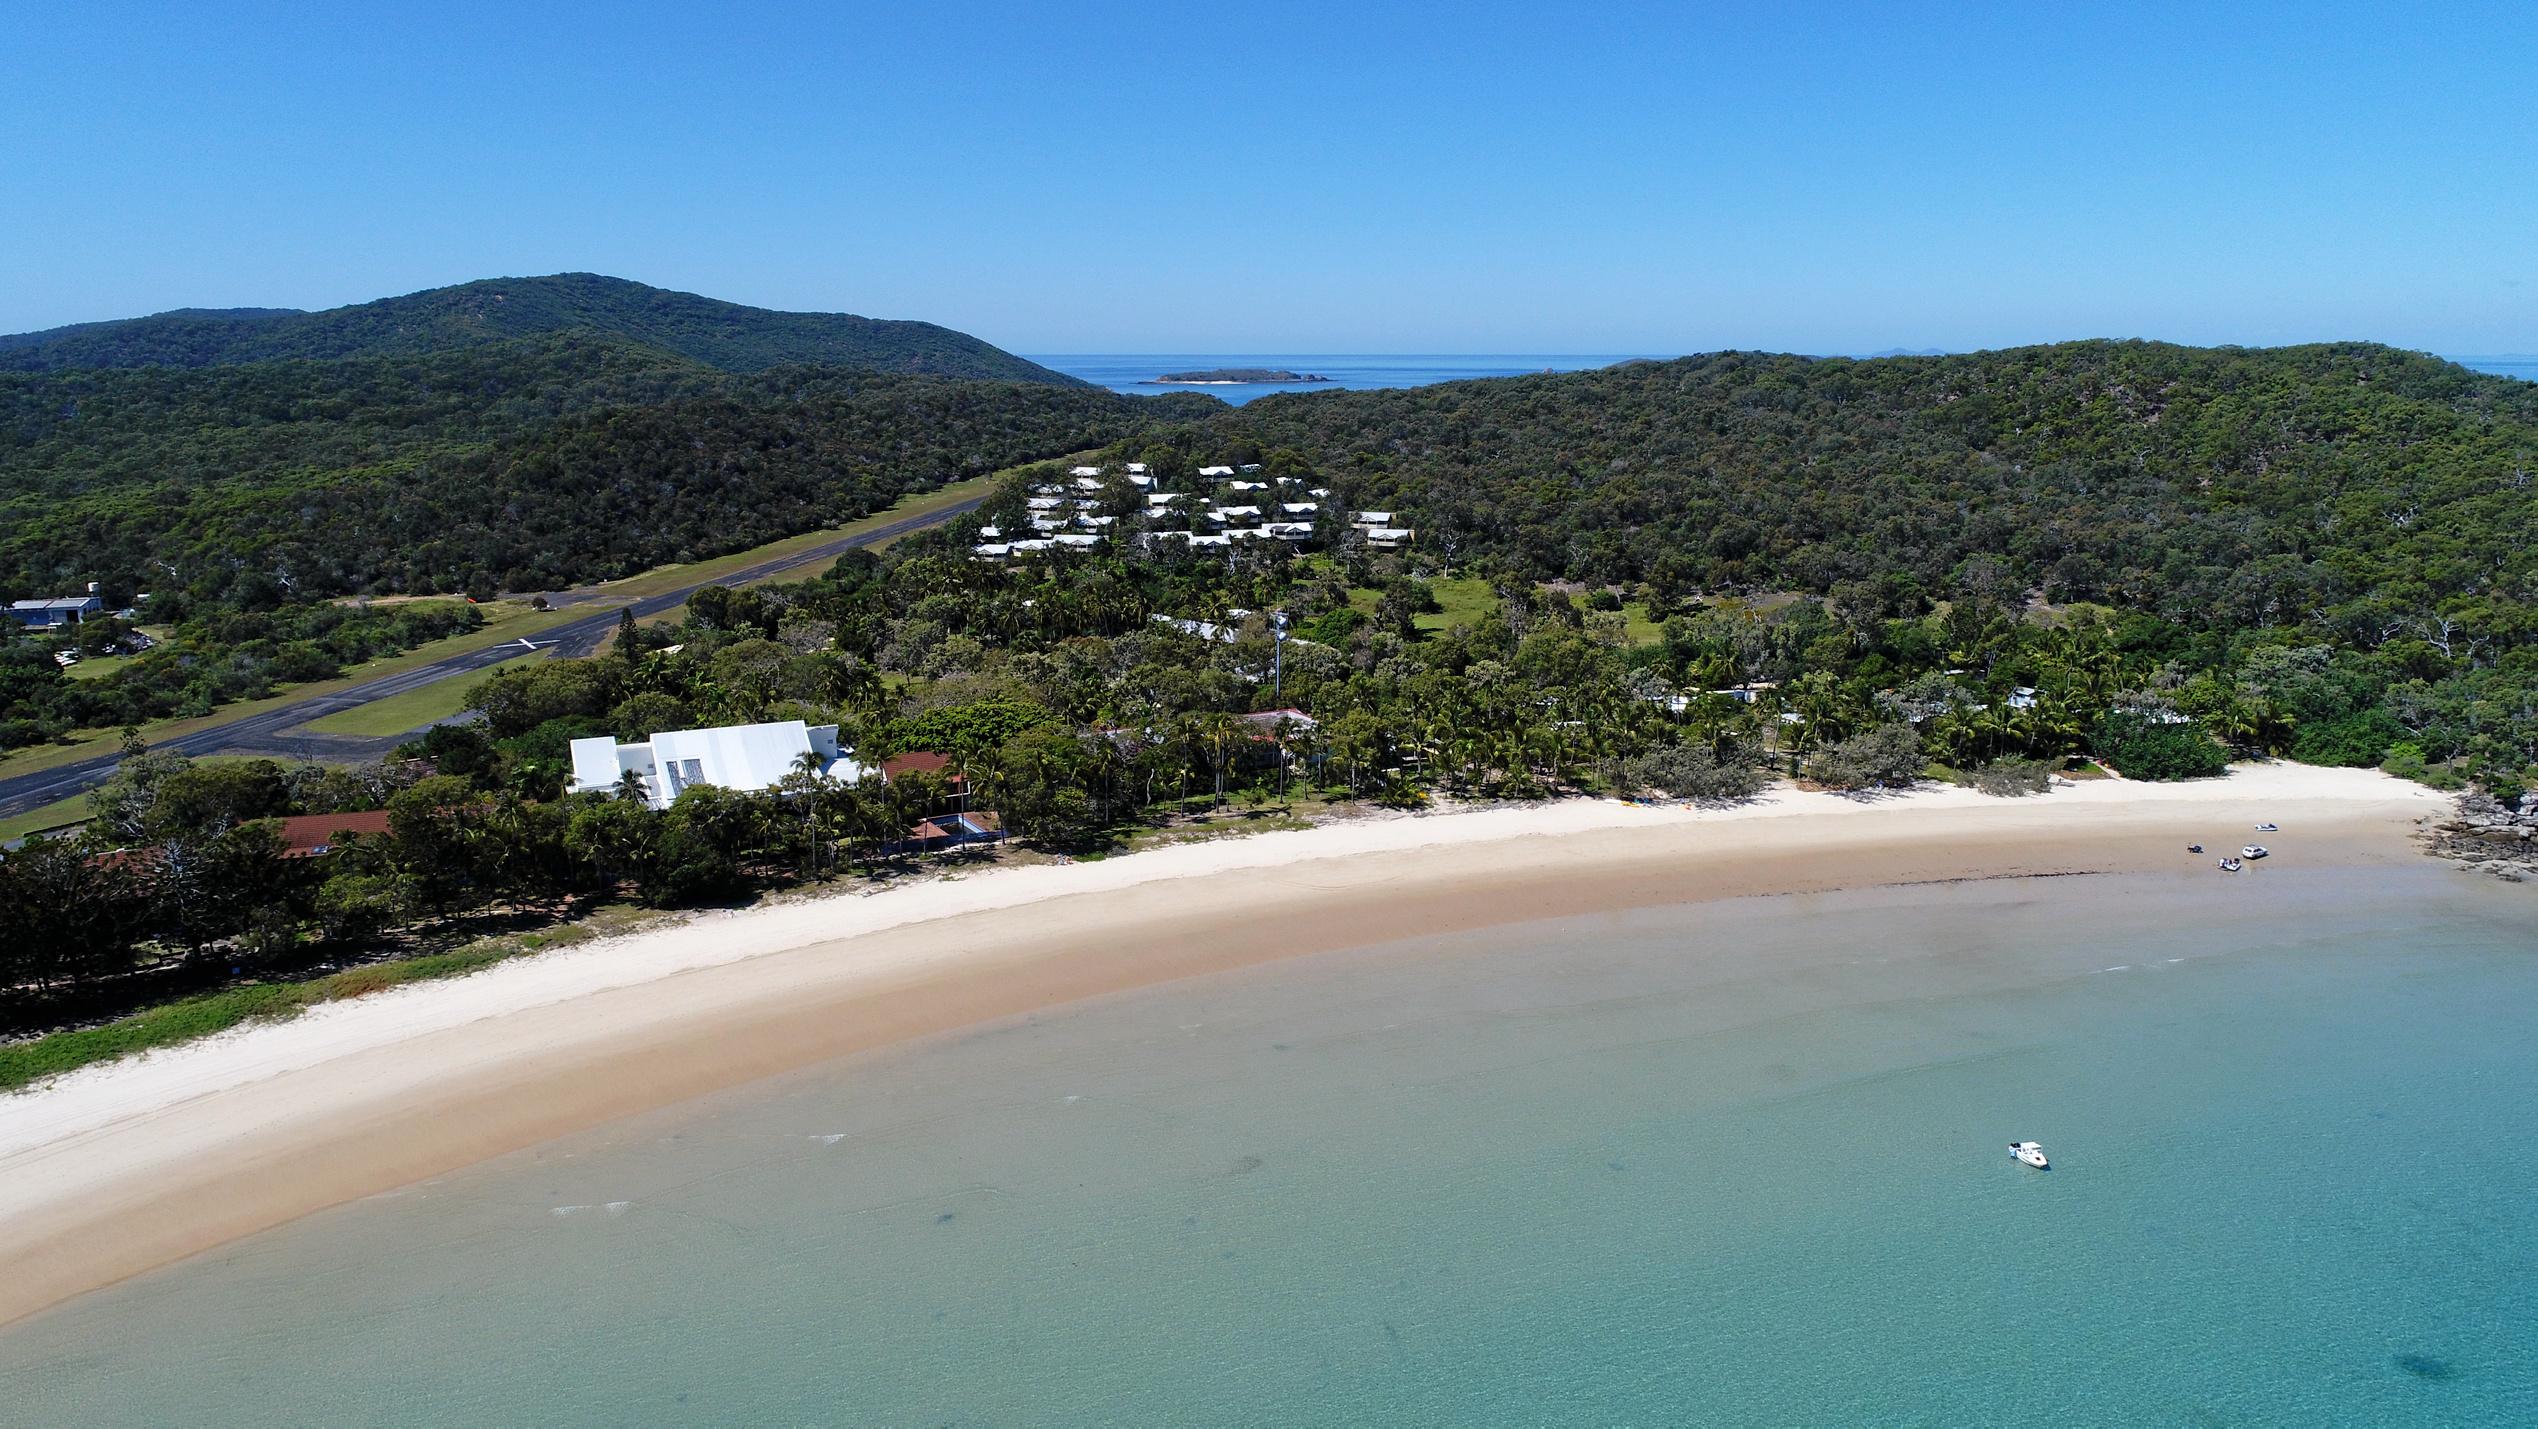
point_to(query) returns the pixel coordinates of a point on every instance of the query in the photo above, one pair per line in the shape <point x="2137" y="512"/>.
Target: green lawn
<point x="52" y="816"/>
<point x="1465" y="600"/>
<point x="415" y="708"/>
<point x="97" y="667"/>
<point x="1637" y="627"/>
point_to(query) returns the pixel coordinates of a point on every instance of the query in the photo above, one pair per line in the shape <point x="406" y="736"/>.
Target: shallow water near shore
<point x="1729" y="1162"/>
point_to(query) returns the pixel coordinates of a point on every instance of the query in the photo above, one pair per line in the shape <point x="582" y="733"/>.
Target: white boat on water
<point x="2031" y="1154"/>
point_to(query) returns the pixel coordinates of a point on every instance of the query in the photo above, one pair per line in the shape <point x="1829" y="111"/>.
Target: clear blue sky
<point x="1348" y="178"/>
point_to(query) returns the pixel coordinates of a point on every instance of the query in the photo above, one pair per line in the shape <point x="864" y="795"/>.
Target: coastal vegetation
<point x="1674" y="580"/>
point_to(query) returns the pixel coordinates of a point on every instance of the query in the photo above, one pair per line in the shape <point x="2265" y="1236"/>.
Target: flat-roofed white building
<point x="745" y="758"/>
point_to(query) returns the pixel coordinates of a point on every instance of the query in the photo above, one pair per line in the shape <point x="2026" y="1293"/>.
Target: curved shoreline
<point x="116" y="1170"/>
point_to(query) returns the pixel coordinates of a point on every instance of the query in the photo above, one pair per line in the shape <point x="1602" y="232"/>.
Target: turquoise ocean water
<point x="1730" y="1163"/>
<point x="1133" y="372"/>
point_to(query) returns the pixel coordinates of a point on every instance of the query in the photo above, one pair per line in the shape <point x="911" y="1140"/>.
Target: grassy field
<point x="415" y="708"/>
<point x="1466" y="599"/>
<point x="669" y="578"/>
<point x="58" y="814"/>
<point x="1637" y="627"/>
<point x="97" y="667"/>
<point x="504" y="621"/>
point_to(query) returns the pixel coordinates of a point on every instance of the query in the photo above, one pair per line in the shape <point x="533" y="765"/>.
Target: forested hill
<point x="520" y="465"/>
<point x="2344" y="486"/>
<point x="717" y="334"/>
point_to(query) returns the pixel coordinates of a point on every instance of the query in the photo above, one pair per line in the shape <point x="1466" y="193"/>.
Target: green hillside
<point x="724" y="335"/>
<point x="2348" y="485"/>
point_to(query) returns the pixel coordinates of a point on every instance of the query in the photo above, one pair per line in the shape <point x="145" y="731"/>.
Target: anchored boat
<point x="2031" y="1154"/>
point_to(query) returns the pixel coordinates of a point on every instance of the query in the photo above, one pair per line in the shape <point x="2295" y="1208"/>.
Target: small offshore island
<point x="1235" y="376"/>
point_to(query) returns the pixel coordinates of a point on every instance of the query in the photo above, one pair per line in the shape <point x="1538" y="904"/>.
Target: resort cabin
<point x="1387" y="538"/>
<point x="1207" y="630"/>
<point x="1136" y="468"/>
<point x="1248" y="486"/>
<point x="745" y="758"/>
<point x="1044" y="503"/>
<point x="1372" y="518"/>
<point x="1216" y="471"/>
<point x="1163" y="498"/>
<point x="1083" y="471"/>
<point x="1299" y="508"/>
<point x="1228" y="513"/>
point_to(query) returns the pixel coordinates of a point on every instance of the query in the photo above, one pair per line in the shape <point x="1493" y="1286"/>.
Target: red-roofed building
<point x="314" y="835"/>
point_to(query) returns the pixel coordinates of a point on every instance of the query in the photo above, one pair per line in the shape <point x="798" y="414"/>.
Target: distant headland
<point x="1230" y="376"/>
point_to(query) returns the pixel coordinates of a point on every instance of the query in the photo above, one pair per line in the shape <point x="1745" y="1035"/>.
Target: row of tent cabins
<point x="758" y="758"/>
<point x="1067" y="515"/>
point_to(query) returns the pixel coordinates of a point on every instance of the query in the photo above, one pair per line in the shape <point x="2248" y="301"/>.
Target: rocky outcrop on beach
<point x="2488" y="836"/>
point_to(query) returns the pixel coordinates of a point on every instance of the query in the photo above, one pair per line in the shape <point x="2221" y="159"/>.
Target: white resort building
<point x="741" y="757"/>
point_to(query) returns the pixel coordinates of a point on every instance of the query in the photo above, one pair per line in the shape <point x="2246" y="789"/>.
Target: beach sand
<point x="115" y="1170"/>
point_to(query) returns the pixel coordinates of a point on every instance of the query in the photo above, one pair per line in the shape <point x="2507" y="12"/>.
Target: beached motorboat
<point x="2231" y="865"/>
<point x="2269" y="828"/>
<point x="2252" y="851"/>
<point x="2030" y="1154"/>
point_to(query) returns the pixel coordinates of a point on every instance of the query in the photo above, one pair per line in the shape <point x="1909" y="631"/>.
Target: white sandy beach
<point x="119" y="1168"/>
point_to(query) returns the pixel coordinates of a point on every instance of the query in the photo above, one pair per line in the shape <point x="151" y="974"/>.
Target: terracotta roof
<point x="308" y="835"/>
<point x="915" y="761"/>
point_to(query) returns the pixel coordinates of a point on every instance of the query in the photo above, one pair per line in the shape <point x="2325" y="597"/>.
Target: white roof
<point x="743" y="757"/>
<point x="1223" y="512"/>
<point x="1163" y="498"/>
<point x="1033" y="545"/>
<point x="993" y="548"/>
<point x="1373" y="518"/>
<point x="1045" y="503"/>
<point x="1087" y="483"/>
<point x="1251" y="466"/>
<point x="1388" y="533"/>
<point x="1226" y="540"/>
<point x="1078" y="540"/>
<point x="1298" y="508"/>
<point x="1136" y="468"/>
<point x="1085" y="471"/>
<point x="1137" y="478"/>
<point x="1216" y="471"/>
